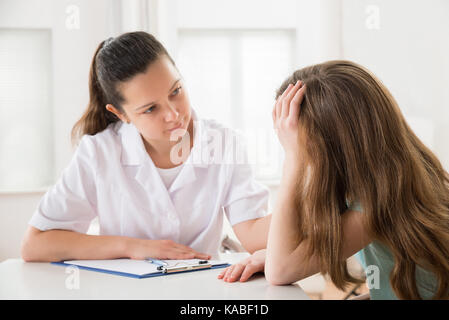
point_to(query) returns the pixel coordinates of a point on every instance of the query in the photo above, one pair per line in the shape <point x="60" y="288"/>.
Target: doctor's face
<point x="156" y="102"/>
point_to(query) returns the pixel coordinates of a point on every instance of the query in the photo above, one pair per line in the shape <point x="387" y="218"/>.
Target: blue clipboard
<point x="158" y="273"/>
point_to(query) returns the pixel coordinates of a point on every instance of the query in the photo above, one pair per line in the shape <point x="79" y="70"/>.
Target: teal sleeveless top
<point x="378" y="262"/>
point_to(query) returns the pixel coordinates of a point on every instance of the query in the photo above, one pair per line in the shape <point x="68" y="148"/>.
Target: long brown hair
<point x="116" y="60"/>
<point x="358" y="146"/>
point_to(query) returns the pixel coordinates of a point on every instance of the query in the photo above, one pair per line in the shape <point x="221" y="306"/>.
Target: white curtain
<point x="26" y="121"/>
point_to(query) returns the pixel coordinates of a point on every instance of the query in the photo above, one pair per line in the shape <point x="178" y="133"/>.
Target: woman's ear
<point x="117" y="113"/>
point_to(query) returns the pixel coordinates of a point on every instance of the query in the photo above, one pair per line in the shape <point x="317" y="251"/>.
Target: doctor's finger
<point x="172" y="245"/>
<point x="179" y="255"/>
<point x="182" y="246"/>
<point x="189" y="253"/>
<point x="187" y="249"/>
<point x="199" y="255"/>
<point x="192" y="253"/>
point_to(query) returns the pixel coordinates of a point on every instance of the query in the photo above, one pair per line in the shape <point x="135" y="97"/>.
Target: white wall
<point x="316" y="23"/>
<point x="406" y="44"/>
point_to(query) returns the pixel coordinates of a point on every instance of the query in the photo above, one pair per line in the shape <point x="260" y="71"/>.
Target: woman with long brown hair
<point x="356" y="179"/>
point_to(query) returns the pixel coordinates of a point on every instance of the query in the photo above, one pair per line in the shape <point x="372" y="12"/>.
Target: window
<point x="232" y="76"/>
<point x="26" y="144"/>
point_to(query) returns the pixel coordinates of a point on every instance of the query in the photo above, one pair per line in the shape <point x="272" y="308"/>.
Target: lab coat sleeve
<point x="70" y="204"/>
<point x="246" y="198"/>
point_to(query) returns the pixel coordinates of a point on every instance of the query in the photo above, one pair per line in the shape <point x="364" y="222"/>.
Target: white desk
<point x="20" y="280"/>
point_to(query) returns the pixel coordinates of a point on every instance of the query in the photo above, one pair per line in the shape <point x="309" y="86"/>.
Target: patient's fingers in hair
<point x="296" y="102"/>
<point x="287" y="99"/>
<point x="280" y="101"/>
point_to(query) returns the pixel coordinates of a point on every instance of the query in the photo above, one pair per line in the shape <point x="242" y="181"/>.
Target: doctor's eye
<point x="149" y="110"/>
<point x="176" y="91"/>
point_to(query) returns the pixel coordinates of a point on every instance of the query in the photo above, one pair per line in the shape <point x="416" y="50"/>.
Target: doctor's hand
<point x="245" y="268"/>
<point x="141" y="249"/>
<point x="286" y="118"/>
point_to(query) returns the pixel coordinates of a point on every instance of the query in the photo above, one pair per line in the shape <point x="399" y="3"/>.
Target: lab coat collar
<point x="133" y="149"/>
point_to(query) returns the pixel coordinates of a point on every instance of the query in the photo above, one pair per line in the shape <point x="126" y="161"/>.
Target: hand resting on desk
<point x="245" y="268"/>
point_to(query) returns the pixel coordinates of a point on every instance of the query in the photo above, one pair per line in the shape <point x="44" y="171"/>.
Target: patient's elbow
<point x="279" y="275"/>
<point x="275" y="281"/>
<point x="276" y="276"/>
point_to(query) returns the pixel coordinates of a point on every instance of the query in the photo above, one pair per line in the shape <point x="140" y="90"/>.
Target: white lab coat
<point x="111" y="176"/>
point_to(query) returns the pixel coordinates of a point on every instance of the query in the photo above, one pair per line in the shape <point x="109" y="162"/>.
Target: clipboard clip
<point x="160" y="264"/>
<point x="179" y="267"/>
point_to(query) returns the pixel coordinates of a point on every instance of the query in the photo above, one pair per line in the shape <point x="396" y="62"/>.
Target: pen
<point x="164" y="266"/>
<point x="186" y="268"/>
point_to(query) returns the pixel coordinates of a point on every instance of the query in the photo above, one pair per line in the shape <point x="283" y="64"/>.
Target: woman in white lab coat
<point x="157" y="177"/>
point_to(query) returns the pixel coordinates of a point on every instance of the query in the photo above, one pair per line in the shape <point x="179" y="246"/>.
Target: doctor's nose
<point x="171" y="114"/>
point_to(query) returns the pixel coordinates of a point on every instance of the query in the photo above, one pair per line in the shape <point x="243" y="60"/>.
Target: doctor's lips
<point x="178" y="126"/>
